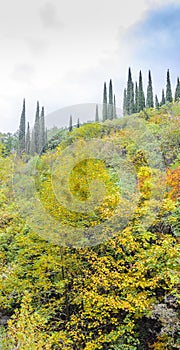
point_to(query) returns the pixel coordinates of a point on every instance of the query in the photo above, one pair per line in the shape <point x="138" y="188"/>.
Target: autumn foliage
<point x="120" y="293"/>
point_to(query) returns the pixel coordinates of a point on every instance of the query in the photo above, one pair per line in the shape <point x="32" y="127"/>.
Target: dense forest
<point x="90" y="226"/>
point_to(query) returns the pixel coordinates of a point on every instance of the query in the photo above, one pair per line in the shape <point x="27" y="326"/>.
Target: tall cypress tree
<point x="156" y="102"/>
<point x="110" y="104"/>
<point x="141" y="94"/>
<point x="168" y="88"/>
<point x="136" y="106"/>
<point x="177" y="91"/>
<point x="149" y="100"/>
<point x="46" y="135"/>
<point x="78" y="123"/>
<point x="22" y="130"/>
<point x="32" y="144"/>
<point x="114" y="108"/>
<point x="163" y="101"/>
<point x="70" y="123"/>
<point x="104" y="116"/>
<point x="97" y="114"/>
<point x="37" y="130"/>
<point x="28" y="145"/>
<point x="42" y="130"/>
<point x="130" y="94"/>
<point x="132" y="99"/>
<point x="125" y="102"/>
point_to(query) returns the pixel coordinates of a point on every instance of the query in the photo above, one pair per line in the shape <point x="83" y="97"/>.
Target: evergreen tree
<point x="141" y="94"/>
<point x="168" y="88"/>
<point x="149" y="100"/>
<point x="114" y="108"/>
<point x="177" y="91"/>
<point x="163" y="101"/>
<point x="37" y="130"/>
<point x="78" y="123"/>
<point x="104" y="116"/>
<point x="125" y="103"/>
<point x="110" y="104"/>
<point x="156" y="102"/>
<point x="28" y="139"/>
<point x="46" y="135"/>
<point x="22" y="130"/>
<point x="132" y="99"/>
<point x="97" y="115"/>
<point x="42" y="130"/>
<point x="70" y="123"/>
<point x="130" y="94"/>
<point x="32" y="144"/>
<point x="136" y="106"/>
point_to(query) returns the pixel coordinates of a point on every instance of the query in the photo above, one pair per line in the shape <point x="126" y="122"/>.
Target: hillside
<point x="89" y="238"/>
<point x="85" y="112"/>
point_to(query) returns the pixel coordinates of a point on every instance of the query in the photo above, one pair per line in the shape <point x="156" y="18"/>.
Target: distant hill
<point x="85" y="112"/>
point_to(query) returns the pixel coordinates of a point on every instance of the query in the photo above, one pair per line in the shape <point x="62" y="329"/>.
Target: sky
<point x="61" y="52"/>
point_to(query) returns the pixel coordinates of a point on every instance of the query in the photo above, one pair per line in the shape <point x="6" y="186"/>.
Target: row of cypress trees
<point x="32" y="141"/>
<point x="134" y="98"/>
<point x="109" y="105"/>
<point x="70" y="128"/>
<point x="134" y="101"/>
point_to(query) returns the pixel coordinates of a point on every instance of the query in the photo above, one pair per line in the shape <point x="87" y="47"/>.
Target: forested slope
<point x="115" y="288"/>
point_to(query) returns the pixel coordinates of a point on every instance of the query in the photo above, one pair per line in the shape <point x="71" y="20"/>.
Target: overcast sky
<point x="61" y="52"/>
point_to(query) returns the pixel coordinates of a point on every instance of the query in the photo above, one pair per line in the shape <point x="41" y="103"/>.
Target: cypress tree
<point x="132" y="99"/>
<point x="42" y="130"/>
<point x="110" y="104"/>
<point x="141" y="94"/>
<point x="136" y="106"/>
<point x="32" y="144"/>
<point x="78" y="123"/>
<point x="129" y="91"/>
<point x="177" y="91"/>
<point x="149" y="100"/>
<point x="28" y="139"/>
<point x="37" y="130"/>
<point x="104" y="116"/>
<point x="22" y="130"/>
<point x="70" y="123"/>
<point x="163" y="101"/>
<point x="125" y="103"/>
<point x="130" y="94"/>
<point x="168" y="88"/>
<point x="46" y="136"/>
<point x="114" y="108"/>
<point x="156" y="102"/>
<point x="97" y="115"/>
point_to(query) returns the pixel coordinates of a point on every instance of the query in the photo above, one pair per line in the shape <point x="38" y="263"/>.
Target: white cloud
<point x="37" y="46"/>
<point x="23" y="73"/>
<point x="49" y="16"/>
